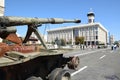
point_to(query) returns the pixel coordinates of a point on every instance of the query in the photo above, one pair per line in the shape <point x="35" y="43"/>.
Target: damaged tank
<point x="21" y="61"/>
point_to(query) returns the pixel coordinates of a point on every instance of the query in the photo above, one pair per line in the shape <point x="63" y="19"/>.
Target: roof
<point x="79" y="26"/>
<point x="90" y="14"/>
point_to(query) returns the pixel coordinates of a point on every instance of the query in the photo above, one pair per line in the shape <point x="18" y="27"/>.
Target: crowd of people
<point x="114" y="47"/>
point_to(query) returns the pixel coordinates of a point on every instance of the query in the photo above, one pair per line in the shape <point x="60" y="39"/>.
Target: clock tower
<point x="91" y="17"/>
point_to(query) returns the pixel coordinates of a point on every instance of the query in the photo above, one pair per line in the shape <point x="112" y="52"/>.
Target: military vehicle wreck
<point x="19" y="61"/>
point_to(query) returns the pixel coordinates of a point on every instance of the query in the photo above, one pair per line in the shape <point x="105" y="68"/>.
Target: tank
<point x="21" y="61"/>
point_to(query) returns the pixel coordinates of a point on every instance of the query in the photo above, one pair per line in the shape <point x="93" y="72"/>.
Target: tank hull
<point x="39" y="67"/>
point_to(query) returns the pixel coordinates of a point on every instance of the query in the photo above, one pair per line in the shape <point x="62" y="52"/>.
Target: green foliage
<point x="117" y="43"/>
<point x="52" y="42"/>
<point x="60" y="42"/>
<point x="69" y="42"/>
<point x="79" y="40"/>
<point x="63" y="42"/>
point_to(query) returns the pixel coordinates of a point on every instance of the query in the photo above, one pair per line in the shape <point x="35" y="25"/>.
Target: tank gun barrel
<point x="16" y="21"/>
<point x="7" y="24"/>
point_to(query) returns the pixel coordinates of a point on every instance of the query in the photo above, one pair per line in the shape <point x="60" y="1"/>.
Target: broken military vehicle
<point x="20" y="61"/>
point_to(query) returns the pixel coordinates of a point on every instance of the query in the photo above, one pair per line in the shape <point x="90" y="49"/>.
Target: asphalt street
<point x="97" y="64"/>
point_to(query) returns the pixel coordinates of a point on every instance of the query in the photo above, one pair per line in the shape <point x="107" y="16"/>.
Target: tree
<point x="63" y="42"/>
<point x="69" y="42"/>
<point x="60" y="42"/>
<point x="117" y="43"/>
<point x="79" y="40"/>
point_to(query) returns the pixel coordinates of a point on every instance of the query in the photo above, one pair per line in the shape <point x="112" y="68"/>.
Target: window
<point x="96" y="37"/>
<point x="96" y="28"/>
<point x="96" y="32"/>
<point x="90" y="20"/>
<point x="76" y="32"/>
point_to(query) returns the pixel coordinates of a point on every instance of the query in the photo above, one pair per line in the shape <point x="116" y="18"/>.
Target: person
<point x="112" y="47"/>
<point x="83" y="47"/>
<point x="115" y="46"/>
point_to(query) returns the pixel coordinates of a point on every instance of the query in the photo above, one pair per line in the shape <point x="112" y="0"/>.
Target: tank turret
<point x="20" y="61"/>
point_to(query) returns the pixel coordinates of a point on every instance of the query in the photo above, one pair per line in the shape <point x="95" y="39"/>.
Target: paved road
<point x="97" y="64"/>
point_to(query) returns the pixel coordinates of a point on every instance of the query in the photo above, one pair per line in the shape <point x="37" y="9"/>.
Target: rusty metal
<point x="18" y="48"/>
<point x="3" y="48"/>
<point x="20" y="66"/>
<point x="14" y="38"/>
<point x="23" y="49"/>
<point x="9" y="33"/>
<point x="74" y="62"/>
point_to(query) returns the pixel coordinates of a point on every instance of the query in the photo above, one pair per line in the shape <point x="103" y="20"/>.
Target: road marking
<point x="78" y="70"/>
<point x="102" y="56"/>
<point x="87" y="53"/>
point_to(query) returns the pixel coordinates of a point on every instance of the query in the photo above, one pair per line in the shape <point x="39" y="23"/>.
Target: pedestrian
<point x="115" y="46"/>
<point x="112" y="47"/>
<point x="83" y="47"/>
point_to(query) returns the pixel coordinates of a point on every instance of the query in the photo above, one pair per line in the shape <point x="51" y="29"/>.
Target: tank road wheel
<point x="54" y="74"/>
<point x="59" y="74"/>
<point x="34" y="78"/>
<point x="73" y="64"/>
<point x="63" y="75"/>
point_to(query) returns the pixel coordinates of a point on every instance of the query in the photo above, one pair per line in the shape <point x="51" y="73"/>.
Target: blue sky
<point x="107" y="12"/>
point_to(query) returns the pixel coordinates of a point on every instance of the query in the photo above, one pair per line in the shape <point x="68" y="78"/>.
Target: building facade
<point x="1" y="11"/>
<point x="1" y="7"/>
<point x="93" y="33"/>
<point x="111" y="39"/>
